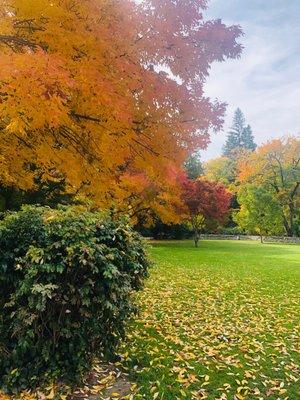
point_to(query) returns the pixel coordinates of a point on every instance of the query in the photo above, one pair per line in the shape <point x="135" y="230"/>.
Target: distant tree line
<point x="263" y="182"/>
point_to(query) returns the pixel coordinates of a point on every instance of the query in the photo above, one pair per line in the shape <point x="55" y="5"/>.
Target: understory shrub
<point x="161" y="231"/>
<point x="66" y="283"/>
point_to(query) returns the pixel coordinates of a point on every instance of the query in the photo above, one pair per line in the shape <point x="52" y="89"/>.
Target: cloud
<point x="265" y="82"/>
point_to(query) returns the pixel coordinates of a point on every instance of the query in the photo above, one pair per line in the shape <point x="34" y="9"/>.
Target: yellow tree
<point x="107" y="94"/>
<point x="221" y="169"/>
<point x="276" y="166"/>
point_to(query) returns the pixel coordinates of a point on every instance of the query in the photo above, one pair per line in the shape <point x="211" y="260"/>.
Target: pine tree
<point x="248" y="139"/>
<point x="239" y="137"/>
<point x="235" y="134"/>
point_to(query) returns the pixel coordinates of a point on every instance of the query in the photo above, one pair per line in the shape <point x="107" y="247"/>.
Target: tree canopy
<point x="107" y="95"/>
<point x="259" y="212"/>
<point x="221" y="169"/>
<point x="205" y="202"/>
<point x="276" y="166"/>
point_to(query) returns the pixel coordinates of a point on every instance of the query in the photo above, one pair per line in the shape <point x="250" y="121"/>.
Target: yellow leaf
<point x="51" y="395"/>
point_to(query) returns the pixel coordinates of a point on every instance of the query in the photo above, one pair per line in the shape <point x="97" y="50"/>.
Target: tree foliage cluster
<point x="275" y="167"/>
<point x="108" y="96"/>
<point x="266" y="183"/>
<point x="206" y="203"/>
<point x="259" y="212"/>
<point x="66" y="282"/>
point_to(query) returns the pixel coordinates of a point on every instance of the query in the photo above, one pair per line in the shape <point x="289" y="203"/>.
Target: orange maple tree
<point x="107" y="94"/>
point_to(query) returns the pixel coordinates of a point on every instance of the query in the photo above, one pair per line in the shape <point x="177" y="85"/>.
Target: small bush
<point x="161" y="231"/>
<point x="66" y="279"/>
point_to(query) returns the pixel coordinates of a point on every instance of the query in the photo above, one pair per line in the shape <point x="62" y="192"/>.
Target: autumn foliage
<point x="276" y="167"/>
<point x="205" y="201"/>
<point x="107" y="95"/>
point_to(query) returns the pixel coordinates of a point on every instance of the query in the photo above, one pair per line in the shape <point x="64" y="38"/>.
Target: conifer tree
<point x="248" y="139"/>
<point x="239" y="137"/>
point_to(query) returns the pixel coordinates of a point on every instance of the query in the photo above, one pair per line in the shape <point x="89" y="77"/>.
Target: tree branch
<point x="86" y="117"/>
<point x="18" y="42"/>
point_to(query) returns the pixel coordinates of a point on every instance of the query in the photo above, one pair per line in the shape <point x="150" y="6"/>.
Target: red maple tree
<point x="205" y="201"/>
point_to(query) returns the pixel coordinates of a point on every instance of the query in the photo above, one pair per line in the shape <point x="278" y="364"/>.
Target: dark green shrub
<point x="66" y="279"/>
<point x="161" y="231"/>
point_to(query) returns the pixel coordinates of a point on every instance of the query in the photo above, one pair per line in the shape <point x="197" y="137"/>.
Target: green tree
<point x="46" y="192"/>
<point x="239" y="137"/>
<point x="260" y="213"/>
<point x="247" y="141"/>
<point x="193" y="166"/>
<point x="276" y="166"/>
<point x="222" y="170"/>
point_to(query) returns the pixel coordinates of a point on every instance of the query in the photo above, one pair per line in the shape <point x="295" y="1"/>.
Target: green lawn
<point x="218" y="322"/>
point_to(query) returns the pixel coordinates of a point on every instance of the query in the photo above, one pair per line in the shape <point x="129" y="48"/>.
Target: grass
<point x="218" y="322"/>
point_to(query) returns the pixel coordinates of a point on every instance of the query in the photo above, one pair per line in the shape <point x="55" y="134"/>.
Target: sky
<point x="265" y="81"/>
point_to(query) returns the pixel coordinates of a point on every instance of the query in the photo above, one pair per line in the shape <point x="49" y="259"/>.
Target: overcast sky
<point x="265" y="82"/>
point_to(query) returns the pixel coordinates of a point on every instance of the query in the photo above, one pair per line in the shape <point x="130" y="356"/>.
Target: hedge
<point x="66" y="283"/>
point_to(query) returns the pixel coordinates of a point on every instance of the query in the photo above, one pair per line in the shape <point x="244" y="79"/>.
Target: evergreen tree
<point x="239" y="137"/>
<point x="193" y="166"/>
<point x="248" y="139"/>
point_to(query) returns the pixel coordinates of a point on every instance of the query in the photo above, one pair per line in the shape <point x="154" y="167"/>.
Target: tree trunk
<point x="287" y="226"/>
<point x="196" y="238"/>
<point x="261" y="239"/>
<point x="292" y="219"/>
